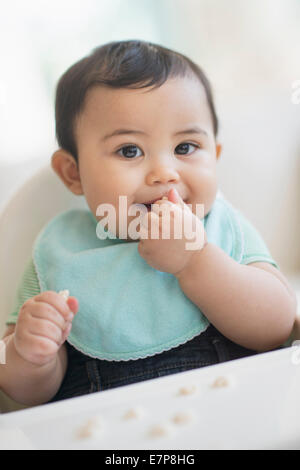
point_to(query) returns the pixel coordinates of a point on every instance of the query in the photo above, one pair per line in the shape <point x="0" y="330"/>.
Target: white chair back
<point x="32" y="206"/>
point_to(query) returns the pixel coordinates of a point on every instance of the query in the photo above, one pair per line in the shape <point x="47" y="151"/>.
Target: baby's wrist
<point x="193" y="261"/>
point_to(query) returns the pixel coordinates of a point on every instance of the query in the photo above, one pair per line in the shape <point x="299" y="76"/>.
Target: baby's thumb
<point x="73" y="304"/>
<point x="174" y="196"/>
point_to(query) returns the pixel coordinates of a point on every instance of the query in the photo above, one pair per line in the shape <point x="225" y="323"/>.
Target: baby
<point x="138" y="120"/>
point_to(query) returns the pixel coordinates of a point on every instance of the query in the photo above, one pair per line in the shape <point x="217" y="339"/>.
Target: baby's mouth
<point x="149" y="204"/>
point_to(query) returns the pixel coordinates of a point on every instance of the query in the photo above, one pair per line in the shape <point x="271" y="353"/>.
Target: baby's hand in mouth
<point x="165" y="244"/>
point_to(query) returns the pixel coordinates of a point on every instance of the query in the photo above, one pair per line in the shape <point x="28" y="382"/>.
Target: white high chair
<point x="33" y="204"/>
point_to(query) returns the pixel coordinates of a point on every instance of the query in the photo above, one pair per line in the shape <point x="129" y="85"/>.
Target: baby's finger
<point x="39" y="348"/>
<point x="55" y="300"/>
<point x="45" y="311"/>
<point x="144" y="224"/>
<point x="46" y="329"/>
<point x="163" y="207"/>
<point x="66" y="332"/>
<point x="73" y="304"/>
<point x="71" y="301"/>
<point x="161" y="202"/>
<point x="174" y="196"/>
<point x="150" y="227"/>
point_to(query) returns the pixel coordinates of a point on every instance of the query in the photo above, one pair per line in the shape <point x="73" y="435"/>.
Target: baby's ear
<point x="218" y="150"/>
<point x="65" y="166"/>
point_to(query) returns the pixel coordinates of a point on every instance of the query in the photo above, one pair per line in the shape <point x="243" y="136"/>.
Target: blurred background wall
<point x="250" y="51"/>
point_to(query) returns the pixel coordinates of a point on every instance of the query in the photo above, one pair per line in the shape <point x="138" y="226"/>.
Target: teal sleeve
<point x="28" y="287"/>
<point x="255" y="249"/>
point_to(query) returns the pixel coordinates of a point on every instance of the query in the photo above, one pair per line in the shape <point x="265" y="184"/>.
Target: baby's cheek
<point x="208" y="189"/>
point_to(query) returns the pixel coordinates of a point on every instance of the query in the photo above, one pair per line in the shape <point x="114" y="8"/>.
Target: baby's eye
<point x="129" y="151"/>
<point x="183" y="148"/>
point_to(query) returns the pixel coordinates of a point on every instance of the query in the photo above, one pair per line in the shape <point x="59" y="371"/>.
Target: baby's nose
<point x="162" y="175"/>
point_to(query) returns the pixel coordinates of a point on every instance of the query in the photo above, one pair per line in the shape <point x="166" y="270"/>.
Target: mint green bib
<point x="127" y="309"/>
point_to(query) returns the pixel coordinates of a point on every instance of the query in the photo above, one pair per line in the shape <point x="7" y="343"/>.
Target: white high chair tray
<point x="259" y="408"/>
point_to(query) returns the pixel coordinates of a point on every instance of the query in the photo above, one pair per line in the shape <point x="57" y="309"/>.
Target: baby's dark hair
<point x="120" y="64"/>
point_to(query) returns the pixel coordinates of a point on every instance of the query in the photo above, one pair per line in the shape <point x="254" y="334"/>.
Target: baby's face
<point x="141" y="143"/>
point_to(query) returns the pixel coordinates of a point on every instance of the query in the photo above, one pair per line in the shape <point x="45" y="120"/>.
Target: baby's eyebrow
<point x="192" y="130"/>
<point x="123" y="132"/>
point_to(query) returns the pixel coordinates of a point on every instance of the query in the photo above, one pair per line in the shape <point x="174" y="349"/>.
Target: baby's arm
<point x="36" y="358"/>
<point x="252" y="305"/>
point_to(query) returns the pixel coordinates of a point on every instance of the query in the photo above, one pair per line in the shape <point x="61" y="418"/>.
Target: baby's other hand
<point x="43" y="325"/>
